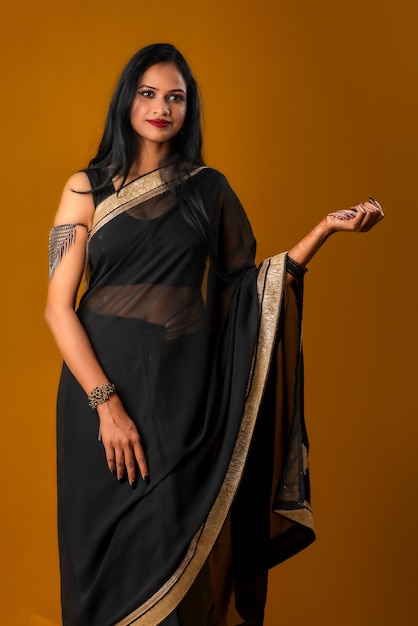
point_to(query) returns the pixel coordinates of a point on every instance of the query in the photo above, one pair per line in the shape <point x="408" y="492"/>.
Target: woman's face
<point x="159" y="107"/>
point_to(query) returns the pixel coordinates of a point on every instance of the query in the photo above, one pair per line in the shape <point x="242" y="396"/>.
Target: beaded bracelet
<point x="100" y="394"/>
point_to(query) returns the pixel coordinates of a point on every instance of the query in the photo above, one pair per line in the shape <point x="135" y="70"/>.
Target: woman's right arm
<point x="119" y="434"/>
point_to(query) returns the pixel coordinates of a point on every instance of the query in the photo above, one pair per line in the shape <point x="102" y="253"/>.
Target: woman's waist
<point x="178" y="309"/>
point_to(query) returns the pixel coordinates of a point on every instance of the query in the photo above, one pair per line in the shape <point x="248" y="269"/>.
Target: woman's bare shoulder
<point x="77" y="203"/>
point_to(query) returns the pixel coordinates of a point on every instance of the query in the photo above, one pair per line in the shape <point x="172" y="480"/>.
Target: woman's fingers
<point x="377" y="205"/>
<point x="111" y="461"/>
<point x="374" y="207"/>
<point x="373" y="215"/>
<point x="122" y="442"/>
<point x="125" y="456"/>
<point x="130" y="466"/>
<point x="359" y="218"/>
<point x="120" y="464"/>
<point x="141" y="459"/>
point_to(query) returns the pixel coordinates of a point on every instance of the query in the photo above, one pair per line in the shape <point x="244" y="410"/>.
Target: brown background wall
<point x="308" y="107"/>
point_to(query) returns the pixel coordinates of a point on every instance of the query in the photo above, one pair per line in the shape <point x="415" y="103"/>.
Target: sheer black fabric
<point x="173" y="321"/>
<point x="190" y="332"/>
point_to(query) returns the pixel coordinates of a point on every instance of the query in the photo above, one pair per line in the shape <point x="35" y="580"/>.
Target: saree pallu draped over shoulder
<point x="205" y="352"/>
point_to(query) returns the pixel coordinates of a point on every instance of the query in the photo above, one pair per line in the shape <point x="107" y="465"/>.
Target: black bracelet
<point x="294" y="268"/>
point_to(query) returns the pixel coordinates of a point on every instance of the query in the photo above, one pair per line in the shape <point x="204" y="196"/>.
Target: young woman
<point x="190" y="358"/>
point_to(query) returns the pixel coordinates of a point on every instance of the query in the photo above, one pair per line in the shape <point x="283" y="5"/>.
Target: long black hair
<point x="119" y="144"/>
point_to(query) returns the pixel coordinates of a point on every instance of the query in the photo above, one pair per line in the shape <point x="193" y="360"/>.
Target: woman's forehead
<point x="165" y="76"/>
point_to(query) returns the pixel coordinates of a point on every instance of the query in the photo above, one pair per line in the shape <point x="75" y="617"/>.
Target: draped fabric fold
<point x="205" y="353"/>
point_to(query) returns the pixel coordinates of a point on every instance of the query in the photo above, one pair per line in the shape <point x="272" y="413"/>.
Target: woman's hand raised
<point x="359" y="218"/>
<point x="122" y="442"/>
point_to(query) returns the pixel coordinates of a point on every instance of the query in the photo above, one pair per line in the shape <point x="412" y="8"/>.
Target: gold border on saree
<point x="139" y="190"/>
<point x="270" y="283"/>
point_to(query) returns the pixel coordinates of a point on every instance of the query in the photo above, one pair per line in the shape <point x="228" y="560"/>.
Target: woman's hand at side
<point x="122" y="442"/>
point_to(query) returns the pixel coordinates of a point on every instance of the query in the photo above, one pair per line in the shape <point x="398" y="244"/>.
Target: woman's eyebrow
<point x="156" y="88"/>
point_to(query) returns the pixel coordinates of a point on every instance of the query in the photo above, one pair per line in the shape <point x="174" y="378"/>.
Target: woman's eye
<point x="176" y="98"/>
<point x="146" y="93"/>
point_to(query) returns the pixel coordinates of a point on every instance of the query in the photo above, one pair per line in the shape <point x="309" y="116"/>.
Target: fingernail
<point x="121" y="479"/>
<point x="146" y="478"/>
<point x="373" y="201"/>
<point x="133" y="484"/>
<point x="113" y="472"/>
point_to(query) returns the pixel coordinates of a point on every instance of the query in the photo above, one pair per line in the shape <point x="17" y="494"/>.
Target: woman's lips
<point x="159" y="123"/>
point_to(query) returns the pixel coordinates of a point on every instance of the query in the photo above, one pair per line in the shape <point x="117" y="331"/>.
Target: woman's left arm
<point x="358" y="219"/>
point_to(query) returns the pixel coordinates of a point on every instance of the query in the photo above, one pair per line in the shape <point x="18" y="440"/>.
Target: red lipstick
<point x="159" y="123"/>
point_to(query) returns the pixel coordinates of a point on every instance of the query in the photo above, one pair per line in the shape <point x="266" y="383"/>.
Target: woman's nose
<point x="162" y="106"/>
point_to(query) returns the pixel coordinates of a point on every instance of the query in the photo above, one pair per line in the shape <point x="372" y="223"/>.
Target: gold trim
<point x="303" y="516"/>
<point x="166" y="587"/>
<point x="269" y="285"/>
<point x="141" y="189"/>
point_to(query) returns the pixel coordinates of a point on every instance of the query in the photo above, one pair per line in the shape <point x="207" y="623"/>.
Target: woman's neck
<point x="149" y="158"/>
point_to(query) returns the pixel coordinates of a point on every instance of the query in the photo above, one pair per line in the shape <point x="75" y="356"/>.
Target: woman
<point x="190" y="358"/>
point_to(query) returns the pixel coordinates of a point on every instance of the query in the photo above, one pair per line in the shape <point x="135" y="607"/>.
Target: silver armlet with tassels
<point x="61" y="238"/>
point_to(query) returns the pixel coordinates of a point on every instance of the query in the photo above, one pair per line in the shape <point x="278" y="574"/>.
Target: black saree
<point x="202" y="351"/>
